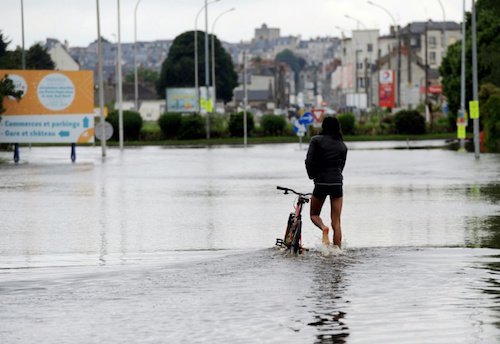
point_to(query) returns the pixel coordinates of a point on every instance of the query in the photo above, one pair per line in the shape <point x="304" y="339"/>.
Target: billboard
<point x="184" y="100"/>
<point x="56" y="107"/>
<point x="387" y="89"/>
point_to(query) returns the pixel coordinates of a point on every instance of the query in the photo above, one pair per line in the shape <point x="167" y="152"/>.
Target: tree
<point x="7" y="88"/>
<point x="295" y="63"/>
<point x="37" y="57"/>
<point x="178" y="68"/>
<point x="488" y="34"/>
<point x="144" y="75"/>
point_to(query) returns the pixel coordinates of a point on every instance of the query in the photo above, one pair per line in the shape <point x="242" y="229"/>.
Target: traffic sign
<point x="299" y="128"/>
<point x="108" y="130"/>
<point x="318" y="114"/>
<point x="307" y="118"/>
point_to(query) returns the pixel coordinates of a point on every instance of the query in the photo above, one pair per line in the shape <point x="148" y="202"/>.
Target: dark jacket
<point x="326" y="160"/>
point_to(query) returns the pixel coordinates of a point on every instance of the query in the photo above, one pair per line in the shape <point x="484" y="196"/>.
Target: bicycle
<point x="293" y="235"/>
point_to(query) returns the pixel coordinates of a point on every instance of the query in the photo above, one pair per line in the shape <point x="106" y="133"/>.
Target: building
<point x="60" y="55"/>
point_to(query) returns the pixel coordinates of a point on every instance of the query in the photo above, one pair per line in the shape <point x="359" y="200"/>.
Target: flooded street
<point x="175" y="245"/>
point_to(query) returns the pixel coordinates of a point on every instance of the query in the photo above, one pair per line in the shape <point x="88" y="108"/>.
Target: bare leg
<point x="336" y="206"/>
<point x="316" y="205"/>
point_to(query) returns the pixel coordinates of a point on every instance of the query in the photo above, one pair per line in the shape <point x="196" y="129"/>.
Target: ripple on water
<point x="389" y="295"/>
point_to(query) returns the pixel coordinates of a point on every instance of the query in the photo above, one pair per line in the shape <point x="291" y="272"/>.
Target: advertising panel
<point x="386" y="89"/>
<point x="56" y="107"/>
<point x="184" y="100"/>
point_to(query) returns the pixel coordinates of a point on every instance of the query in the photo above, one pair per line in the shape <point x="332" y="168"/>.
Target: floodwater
<point x="175" y="245"/>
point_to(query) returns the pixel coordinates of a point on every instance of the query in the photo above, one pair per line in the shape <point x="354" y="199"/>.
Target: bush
<point x="409" y="122"/>
<point x="492" y="123"/>
<point x="347" y="123"/>
<point x="273" y="125"/>
<point x="132" y="124"/>
<point x="150" y="131"/>
<point x="170" y="124"/>
<point x="192" y="127"/>
<point x="236" y="124"/>
<point x="218" y="125"/>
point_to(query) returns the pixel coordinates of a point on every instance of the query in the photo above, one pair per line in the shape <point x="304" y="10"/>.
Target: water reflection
<point x="329" y="305"/>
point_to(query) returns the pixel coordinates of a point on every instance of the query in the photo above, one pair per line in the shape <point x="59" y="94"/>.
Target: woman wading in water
<point x="324" y="164"/>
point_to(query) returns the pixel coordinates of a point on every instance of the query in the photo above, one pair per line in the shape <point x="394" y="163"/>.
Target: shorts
<point x="334" y="191"/>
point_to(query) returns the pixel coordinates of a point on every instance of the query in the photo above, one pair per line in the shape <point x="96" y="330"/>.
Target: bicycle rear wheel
<point x="297" y="232"/>
<point x="288" y="233"/>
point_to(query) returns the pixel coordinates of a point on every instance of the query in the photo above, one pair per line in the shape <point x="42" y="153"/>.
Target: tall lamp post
<point x="136" y="82"/>
<point x="358" y="22"/>
<point x="462" y="72"/>
<point x="213" y="55"/>
<point x="398" y="39"/>
<point x="101" y="82"/>
<point x="475" y="84"/>
<point x="196" y="82"/>
<point x="23" y="52"/>
<point x="120" y="89"/>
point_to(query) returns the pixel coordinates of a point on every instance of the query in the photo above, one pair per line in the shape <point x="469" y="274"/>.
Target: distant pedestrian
<point x="325" y="163"/>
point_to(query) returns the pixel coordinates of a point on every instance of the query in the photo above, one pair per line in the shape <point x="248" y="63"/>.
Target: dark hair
<point x="331" y="126"/>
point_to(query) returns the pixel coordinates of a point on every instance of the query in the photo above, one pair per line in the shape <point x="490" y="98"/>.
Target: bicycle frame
<point x="293" y="234"/>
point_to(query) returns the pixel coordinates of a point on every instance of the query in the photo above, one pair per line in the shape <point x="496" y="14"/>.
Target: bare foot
<point x="326" y="241"/>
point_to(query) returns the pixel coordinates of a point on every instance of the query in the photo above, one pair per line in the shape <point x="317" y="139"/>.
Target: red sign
<point x="434" y="89"/>
<point x="386" y="89"/>
<point x="318" y="114"/>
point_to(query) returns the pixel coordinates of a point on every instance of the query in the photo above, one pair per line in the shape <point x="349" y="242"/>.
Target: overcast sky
<point x="75" y="20"/>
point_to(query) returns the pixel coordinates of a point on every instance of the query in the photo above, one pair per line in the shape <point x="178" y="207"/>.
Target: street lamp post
<point x="136" y="82"/>
<point x="358" y="22"/>
<point x="462" y="72"/>
<point x="207" y="72"/>
<point x="475" y="84"/>
<point x="120" y="89"/>
<point x="213" y="54"/>
<point x="101" y="82"/>
<point x="398" y="39"/>
<point x="196" y="82"/>
<point x="23" y="52"/>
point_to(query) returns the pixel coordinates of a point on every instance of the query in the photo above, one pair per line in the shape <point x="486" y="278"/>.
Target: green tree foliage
<point x="236" y="124"/>
<point x="37" y="57"/>
<point x="295" y="63"/>
<point x="273" y="125"/>
<point x="170" y="124"/>
<point x="144" y="75"/>
<point x="178" y="68"/>
<point x="488" y="34"/>
<point x="491" y="110"/>
<point x="409" y="122"/>
<point x="347" y="123"/>
<point x="132" y="124"/>
<point x="7" y="88"/>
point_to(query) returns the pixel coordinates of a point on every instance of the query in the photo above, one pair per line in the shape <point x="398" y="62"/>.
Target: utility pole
<point x="23" y="51"/>
<point x="120" y="89"/>
<point x="475" y="86"/>
<point x="101" y="82"/>
<point x="462" y="74"/>
<point x="245" y="98"/>
<point x="207" y="70"/>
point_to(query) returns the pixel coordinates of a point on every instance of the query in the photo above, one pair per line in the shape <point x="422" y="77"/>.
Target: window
<point x="432" y="57"/>
<point x="432" y="41"/>
<point x="369" y="47"/>
<point x="361" y="82"/>
<point x="360" y="65"/>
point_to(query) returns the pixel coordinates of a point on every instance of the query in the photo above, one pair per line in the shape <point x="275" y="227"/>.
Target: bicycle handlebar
<point x="287" y="190"/>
